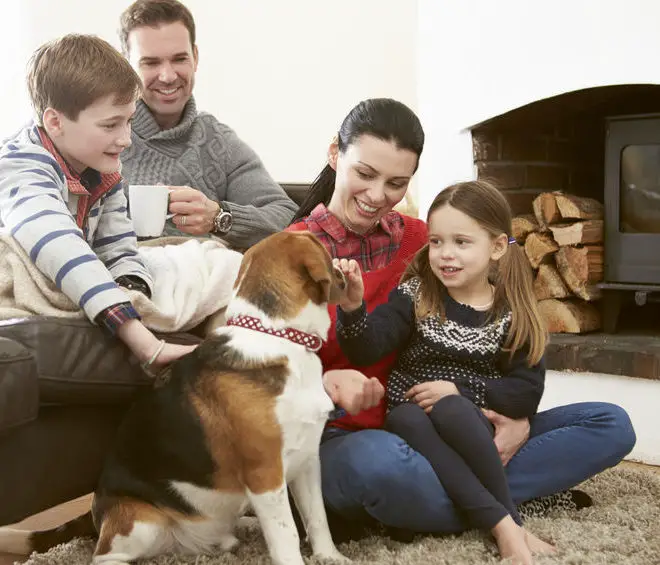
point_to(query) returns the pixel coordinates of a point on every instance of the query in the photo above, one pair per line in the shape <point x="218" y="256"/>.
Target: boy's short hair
<point x="71" y="73"/>
<point x="153" y="13"/>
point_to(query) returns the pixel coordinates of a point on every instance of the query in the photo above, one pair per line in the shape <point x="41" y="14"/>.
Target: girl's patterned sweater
<point x="465" y="348"/>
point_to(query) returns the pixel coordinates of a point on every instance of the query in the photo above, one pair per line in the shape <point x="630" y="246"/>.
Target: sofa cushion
<point x="77" y="362"/>
<point x="19" y="390"/>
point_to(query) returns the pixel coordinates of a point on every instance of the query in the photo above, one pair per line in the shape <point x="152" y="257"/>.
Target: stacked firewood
<point x="563" y="240"/>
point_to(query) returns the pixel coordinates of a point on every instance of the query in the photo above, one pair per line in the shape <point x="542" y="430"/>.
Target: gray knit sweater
<point x="202" y="153"/>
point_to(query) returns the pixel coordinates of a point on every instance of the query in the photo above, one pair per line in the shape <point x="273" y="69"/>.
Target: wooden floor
<point x="56" y="516"/>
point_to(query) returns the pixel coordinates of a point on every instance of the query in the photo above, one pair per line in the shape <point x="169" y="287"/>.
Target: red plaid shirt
<point x="372" y="250"/>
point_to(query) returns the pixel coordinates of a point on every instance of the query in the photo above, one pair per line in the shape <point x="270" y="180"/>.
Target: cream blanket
<point x="193" y="280"/>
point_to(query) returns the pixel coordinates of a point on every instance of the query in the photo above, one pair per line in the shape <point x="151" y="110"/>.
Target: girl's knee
<point x="453" y="408"/>
<point x="405" y="417"/>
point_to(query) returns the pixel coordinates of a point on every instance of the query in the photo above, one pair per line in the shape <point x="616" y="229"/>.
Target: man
<point x="219" y="184"/>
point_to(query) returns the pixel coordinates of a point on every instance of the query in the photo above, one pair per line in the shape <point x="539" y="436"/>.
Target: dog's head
<point x="284" y="273"/>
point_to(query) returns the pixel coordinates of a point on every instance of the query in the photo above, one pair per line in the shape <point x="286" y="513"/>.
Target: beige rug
<point x="623" y="528"/>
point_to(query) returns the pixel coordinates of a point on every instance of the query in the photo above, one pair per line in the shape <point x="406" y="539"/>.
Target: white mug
<point x="148" y="208"/>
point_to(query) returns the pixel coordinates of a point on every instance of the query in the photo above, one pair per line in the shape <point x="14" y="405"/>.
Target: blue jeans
<point x="374" y="472"/>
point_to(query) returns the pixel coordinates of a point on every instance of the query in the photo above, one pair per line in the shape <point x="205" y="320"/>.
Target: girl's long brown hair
<point x="512" y="277"/>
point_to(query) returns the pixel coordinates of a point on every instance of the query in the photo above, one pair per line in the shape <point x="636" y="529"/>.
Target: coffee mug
<point x="148" y="205"/>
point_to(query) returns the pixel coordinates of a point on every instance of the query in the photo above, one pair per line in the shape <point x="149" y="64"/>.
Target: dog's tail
<point x="24" y="542"/>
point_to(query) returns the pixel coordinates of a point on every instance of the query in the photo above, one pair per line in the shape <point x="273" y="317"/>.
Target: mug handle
<point x="168" y="216"/>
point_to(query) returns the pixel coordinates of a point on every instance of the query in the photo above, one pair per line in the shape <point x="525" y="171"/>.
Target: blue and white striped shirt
<point x="81" y="238"/>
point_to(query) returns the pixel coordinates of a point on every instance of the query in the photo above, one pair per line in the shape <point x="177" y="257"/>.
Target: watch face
<point x="223" y="222"/>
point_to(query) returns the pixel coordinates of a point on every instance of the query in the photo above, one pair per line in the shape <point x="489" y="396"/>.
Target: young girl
<point x="469" y="335"/>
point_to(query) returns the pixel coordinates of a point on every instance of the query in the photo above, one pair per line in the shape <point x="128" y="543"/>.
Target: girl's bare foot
<point x="537" y="545"/>
<point x="511" y="542"/>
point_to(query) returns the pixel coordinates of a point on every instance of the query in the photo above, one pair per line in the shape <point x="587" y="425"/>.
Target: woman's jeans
<point x="377" y="473"/>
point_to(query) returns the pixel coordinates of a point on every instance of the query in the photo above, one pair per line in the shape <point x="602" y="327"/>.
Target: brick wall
<point x="525" y="157"/>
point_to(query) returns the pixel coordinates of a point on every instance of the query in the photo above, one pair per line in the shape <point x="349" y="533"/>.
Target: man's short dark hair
<point x="153" y="13"/>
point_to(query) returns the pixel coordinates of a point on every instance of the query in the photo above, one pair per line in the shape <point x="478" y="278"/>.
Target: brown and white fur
<point x="239" y="419"/>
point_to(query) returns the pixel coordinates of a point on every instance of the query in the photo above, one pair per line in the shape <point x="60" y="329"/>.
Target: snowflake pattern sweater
<point x="465" y="348"/>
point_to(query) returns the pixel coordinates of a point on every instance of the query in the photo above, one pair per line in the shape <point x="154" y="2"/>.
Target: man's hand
<point x="352" y="391"/>
<point x="354" y="292"/>
<point x="194" y="211"/>
<point x="425" y="395"/>
<point x="510" y="435"/>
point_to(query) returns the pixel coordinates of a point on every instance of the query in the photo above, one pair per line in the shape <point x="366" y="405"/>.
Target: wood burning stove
<point x="632" y="211"/>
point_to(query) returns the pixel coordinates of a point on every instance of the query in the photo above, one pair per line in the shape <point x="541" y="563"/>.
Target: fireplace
<point x="599" y="144"/>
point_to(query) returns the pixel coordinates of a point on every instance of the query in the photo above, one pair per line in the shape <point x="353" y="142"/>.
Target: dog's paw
<point x="333" y="556"/>
<point x="228" y="542"/>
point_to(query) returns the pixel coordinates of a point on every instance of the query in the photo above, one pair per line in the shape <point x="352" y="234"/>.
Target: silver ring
<point x="183" y="220"/>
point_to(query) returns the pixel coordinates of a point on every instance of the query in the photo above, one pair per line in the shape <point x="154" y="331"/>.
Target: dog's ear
<point x="318" y="270"/>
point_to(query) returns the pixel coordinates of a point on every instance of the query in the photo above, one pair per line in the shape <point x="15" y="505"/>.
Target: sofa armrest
<point x="77" y="362"/>
<point x="19" y="388"/>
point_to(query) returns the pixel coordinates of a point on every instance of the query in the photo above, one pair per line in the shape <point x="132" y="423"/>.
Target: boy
<point x="61" y="195"/>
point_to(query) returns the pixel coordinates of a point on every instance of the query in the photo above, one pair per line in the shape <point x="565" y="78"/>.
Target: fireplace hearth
<point x="594" y="145"/>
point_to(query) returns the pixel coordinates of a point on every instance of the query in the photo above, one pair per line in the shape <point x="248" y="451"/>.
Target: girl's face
<point x="372" y="178"/>
<point x="461" y="251"/>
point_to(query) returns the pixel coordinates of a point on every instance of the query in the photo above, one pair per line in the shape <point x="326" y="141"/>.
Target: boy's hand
<point x="354" y="292"/>
<point x="425" y="395"/>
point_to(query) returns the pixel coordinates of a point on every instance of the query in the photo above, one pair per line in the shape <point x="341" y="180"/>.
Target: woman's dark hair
<point x="382" y="118"/>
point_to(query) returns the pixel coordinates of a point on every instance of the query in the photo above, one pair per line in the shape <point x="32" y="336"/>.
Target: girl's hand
<point x="354" y="291"/>
<point x="425" y="395"/>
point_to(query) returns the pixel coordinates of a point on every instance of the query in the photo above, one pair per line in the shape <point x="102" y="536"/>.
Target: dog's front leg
<point x="306" y="489"/>
<point x="276" y="519"/>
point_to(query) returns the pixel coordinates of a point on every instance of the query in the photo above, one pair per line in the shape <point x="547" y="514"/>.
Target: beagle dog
<point x="239" y="419"/>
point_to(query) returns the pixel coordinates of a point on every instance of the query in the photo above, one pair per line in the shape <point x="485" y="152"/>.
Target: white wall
<point x="639" y="397"/>
<point x="478" y="59"/>
<point x="282" y="73"/>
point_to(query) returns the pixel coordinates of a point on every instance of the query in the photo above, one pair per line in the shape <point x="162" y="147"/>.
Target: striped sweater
<point x="75" y="228"/>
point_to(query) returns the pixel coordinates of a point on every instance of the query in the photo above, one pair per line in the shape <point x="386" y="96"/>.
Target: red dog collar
<point x="311" y="341"/>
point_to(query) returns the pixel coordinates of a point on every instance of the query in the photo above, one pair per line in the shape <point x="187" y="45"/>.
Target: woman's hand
<point x="194" y="211"/>
<point x="510" y="435"/>
<point x="425" y="395"/>
<point x="354" y="292"/>
<point x="352" y="391"/>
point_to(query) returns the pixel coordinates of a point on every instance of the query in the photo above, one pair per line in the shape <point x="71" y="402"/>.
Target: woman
<point x="368" y="472"/>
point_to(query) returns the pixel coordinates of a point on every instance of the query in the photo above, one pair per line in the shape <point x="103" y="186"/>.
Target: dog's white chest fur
<point x="302" y="410"/>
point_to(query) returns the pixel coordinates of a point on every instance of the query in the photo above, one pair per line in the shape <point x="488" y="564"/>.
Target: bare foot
<point x="537" y="545"/>
<point x="510" y="539"/>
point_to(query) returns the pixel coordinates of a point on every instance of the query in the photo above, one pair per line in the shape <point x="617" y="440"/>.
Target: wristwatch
<point x="222" y="222"/>
<point x="133" y="282"/>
